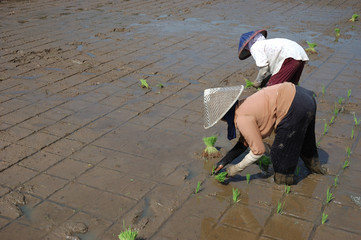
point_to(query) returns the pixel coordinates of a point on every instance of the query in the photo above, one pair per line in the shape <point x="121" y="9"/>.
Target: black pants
<point x="295" y="134"/>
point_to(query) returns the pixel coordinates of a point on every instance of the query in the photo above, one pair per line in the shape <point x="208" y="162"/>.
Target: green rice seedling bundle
<point x="279" y="207"/>
<point x="220" y="177"/>
<point x="287" y="189"/>
<point x="329" y="196"/>
<point x="143" y="83"/>
<point x="311" y="47"/>
<point x="128" y="234"/>
<point x="198" y="187"/>
<point x="248" y="177"/>
<point x="236" y="194"/>
<point x="354" y="18"/>
<point x="249" y="84"/>
<point x="264" y="162"/>
<point x="210" y="151"/>
<point x="324" y="218"/>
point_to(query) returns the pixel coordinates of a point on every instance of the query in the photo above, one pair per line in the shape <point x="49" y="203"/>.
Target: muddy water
<point x="118" y="154"/>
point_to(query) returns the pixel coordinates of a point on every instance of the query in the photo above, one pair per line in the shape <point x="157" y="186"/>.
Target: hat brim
<point x="243" y="53"/>
<point x="227" y="109"/>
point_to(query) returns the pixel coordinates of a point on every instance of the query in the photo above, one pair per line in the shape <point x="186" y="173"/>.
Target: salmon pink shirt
<point x="259" y="114"/>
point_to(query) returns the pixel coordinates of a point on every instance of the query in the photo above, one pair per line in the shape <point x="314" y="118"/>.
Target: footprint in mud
<point x="9" y="204"/>
<point x="69" y="229"/>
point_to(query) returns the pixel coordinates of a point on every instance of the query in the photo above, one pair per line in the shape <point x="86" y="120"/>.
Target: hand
<point x="256" y="84"/>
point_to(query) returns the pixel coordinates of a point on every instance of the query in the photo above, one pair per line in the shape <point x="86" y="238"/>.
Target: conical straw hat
<point x="217" y="102"/>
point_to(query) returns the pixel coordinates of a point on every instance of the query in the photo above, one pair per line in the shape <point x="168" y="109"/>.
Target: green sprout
<point x="329" y="196"/>
<point x="354" y="18"/>
<point x="335" y="181"/>
<point x="357" y="122"/>
<point x="340" y="100"/>
<point x="311" y="47"/>
<point x="323" y="90"/>
<point x="236" y="194"/>
<point x="249" y="84"/>
<point x="297" y="172"/>
<point x="248" y="177"/>
<point x="287" y="189"/>
<point x="335" y="110"/>
<point x="324" y="217"/>
<point x="198" y="187"/>
<point x="221" y="177"/>
<point x="160" y="85"/>
<point x="349" y="94"/>
<point x="325" y="128"/>
<point x="210" y="151"/>
<point x="264" y="162"/>
<point x="346" y="164"/>
<point x="128" y="234"/>
<point x="144" y="83"/>
<point x="337" y="34"/>
<point x="332" y="120"/>
<point x="279" y="207"/>
<point x="352" y="133"/>
<point x="348" y="151"/>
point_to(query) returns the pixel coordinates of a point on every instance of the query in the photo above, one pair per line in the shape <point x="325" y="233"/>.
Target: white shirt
<point x="273" y="52"/>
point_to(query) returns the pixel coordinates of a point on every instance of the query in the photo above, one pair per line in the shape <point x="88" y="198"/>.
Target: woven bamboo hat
<point x="217" y="102"/>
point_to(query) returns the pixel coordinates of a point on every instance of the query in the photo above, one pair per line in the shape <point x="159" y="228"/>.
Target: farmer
<point x="288" y="109"/>
<point x="279" y="60"/>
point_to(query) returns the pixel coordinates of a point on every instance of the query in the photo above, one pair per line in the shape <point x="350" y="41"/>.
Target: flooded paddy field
<point x="86" y="151"/>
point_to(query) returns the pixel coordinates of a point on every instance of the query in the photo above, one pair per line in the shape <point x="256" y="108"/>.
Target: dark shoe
<point x="287" y="179"/>
<point x="314" y="165"/>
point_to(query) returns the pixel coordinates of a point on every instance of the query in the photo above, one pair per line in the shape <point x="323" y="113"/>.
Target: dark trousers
<point x="290" y="71"/>
<point x="295" y="134"/>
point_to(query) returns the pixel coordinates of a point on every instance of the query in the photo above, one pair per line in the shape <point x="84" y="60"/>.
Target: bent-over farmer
<point x="278" y="59"/>
<point x="287" y="109"/>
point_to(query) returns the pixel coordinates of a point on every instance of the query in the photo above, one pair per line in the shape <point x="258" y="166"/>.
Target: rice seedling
<point x="221" y="177"/>
<point x="332" y="120"/>
<point x="324" y="217"/>
<point x="346" y="164"/>
<point x="335" y="181"/>
<point x="311" y="47"/>
<point x="354" y="18"/>
<point x="329" y="196"/>
<point x="236" y="194"/>
<point x="352" y="133"/>
<point x="279" y="207"/>
<point x="348" y="152"/>
<point x="160" y="85"/>
<point x="213" y="170"/>
<point x="335" y="110"/>
<point x="198" y="187"/>
<point x="297" y="172"/>
<point x="325" y="128"/>
<point x="337" y="34"/>
<point x="349" y="94"/>
<point x="249" y="84"/>
<point x="210" y="151"/>
<point x="287" y="189"/>
<point x="264" y="162"/>
<point x="340" y="100"/>
<point x="248" y="177"/>
<point x="128" y="234"/>
<point x="357" y="122"/>
<point x="144" y="83"/>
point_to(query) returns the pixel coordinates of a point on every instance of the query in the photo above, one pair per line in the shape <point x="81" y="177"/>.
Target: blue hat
<point x="244" y="40"/>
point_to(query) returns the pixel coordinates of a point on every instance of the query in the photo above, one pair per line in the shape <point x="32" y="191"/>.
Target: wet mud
<point x="86" y="152"/>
